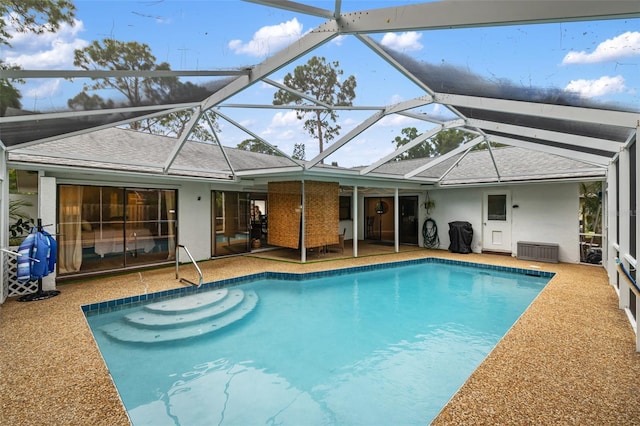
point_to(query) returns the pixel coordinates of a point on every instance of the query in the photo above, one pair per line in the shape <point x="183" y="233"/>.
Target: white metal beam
<point x="164" y="109"/>
<point x="567" y="153"/>
<point x="473" y="13"/>
<point x="272" y="64"/>
<point x="255" y="136"/>
<point x="224" y="153"/>
<point x="370" y="121"/>
<point x="26" y="74"/>
<point x="92" y="129"/>
<point x="279" y="60"/>
<point x="564" y="138"/>
<point x="393" y="109"/>
<point x="181" y="140"/>
<point x="421" y="138"/>
<point x="558" y="112"/>
<point x="444" y="157"/>
<point x="297" y="7"/>
<point x="296" y="93"/>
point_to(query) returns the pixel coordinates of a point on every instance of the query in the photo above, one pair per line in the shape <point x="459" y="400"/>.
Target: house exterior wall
<point x="546" y="213"/>
<point x="549" y="214"/>
<point x="194" y="219"/>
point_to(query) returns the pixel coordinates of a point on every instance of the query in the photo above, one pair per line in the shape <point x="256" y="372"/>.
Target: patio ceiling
<point x="501" y="113"/>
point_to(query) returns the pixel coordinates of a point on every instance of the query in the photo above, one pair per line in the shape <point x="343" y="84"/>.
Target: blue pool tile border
<point x="117" y="304"/>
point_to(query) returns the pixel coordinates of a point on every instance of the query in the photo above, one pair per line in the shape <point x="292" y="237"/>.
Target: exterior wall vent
<point x="541" y="252"/>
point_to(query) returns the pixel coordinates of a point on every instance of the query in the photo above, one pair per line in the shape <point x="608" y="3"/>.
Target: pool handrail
<point x="184" y="280"/>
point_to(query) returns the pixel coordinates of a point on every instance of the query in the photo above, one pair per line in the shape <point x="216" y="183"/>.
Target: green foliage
<point x="448" y="140"/>
<point x="255" y="145"/>
<point x="34" y="16"/>
<point x="112" y="54"/>
<point x="83" y="101"/>
<point x="439" y="144"/>
<point x="24" y="16"/>
<point x="22" y="223"/>
<point x="319" y="80"/>
<point x="591" y="207"/>
<point x="9" y="95"/>
<point x="419" y="151"/>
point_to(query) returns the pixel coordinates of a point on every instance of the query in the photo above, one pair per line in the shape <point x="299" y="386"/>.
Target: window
<point x="497" y="207"/>
<point x="345" y="208"/>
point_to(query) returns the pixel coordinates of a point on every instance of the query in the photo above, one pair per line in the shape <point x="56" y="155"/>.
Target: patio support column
<point x="396" y="220"/>
<point x="612" y="224"/>
<point x="354" y="215"/>
<point x="303" y="247"/>
<point x="624" y="218"/>
<point x="4" y="222"/>
<point x="636" y="217"/>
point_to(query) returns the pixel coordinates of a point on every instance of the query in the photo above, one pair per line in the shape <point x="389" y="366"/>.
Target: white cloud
<point x="603" y="86"/>
<point x="285" y="119"/>
<point x="50" y="88"/>
<point x="396" y="120"/>
<point x="46" y="51"/>
<point x="248" y="122"/>
<point x="269" y="39"/>
<point x="396" y="99"/>
<point x="404" y="42"/>
<point x="338" y="40"/>
<point x="622" y="46"/>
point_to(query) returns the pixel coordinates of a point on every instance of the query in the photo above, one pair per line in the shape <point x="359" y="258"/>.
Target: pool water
<point x="381" y="347"/>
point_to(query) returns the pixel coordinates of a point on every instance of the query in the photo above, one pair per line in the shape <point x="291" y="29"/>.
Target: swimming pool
<point x="373" y="345"/>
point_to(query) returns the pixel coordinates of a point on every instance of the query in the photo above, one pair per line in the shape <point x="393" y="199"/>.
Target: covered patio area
<point x="570" y="358"/>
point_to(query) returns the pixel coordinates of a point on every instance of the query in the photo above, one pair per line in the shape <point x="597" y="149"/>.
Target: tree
<point x="117" y="55"/>
<point x="34" y="16"/>
<point x="9" y="95"/>
<point x="591" y="206"/>
<point x="419" y="151"/>
<point x="138" y="91"/>
<point x="255" y="145"/>
<point x="320" y="80"/>
<point x="439" y="144"/>
<point x="448" y="140"/>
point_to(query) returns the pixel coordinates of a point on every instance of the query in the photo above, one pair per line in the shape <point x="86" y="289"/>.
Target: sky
<point x="598" y="60"/>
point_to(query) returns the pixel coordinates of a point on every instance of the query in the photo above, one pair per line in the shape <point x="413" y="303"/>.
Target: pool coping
<point x="125" y="302"/>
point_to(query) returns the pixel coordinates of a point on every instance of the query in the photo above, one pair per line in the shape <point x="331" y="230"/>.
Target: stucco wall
<point x="546" y="213"/>
<point x="194" y="220"/>
<point x="550" y="214"/>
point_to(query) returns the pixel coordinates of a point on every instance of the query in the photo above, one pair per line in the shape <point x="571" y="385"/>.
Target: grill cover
<point x="460" y="235"/>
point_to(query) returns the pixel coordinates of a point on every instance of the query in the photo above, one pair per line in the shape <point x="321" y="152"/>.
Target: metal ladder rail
<point x="184" y="280"/>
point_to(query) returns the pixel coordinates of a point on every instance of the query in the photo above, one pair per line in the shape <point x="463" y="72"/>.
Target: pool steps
<point x="183" y="317"/>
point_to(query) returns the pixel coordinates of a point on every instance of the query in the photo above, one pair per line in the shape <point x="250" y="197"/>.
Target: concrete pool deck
<point x="570" y="358"/>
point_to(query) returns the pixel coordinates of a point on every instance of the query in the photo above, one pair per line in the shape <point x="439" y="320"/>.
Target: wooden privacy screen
<point x="321" y="213"/>
<point x="285" y="199"/>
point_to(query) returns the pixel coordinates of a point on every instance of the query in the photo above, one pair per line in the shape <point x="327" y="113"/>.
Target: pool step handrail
<point x="184" y="280"/>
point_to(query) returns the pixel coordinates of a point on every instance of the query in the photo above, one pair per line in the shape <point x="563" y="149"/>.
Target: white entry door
<point x="496" y="221"/>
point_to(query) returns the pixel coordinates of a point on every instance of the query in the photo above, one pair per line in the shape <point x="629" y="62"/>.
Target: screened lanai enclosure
<point x="224" y="102"/>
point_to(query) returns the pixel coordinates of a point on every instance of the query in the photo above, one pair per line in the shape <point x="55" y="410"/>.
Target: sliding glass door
<point x="231" y="218"/>
<point x="109" y="228"/>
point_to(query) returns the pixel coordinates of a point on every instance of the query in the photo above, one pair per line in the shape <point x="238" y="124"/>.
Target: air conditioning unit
<point x="541" y="252"/>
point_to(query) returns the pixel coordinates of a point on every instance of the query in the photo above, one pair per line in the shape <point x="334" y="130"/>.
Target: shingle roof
<point x="132" y="151"/>
<point x="129" y="150"/>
